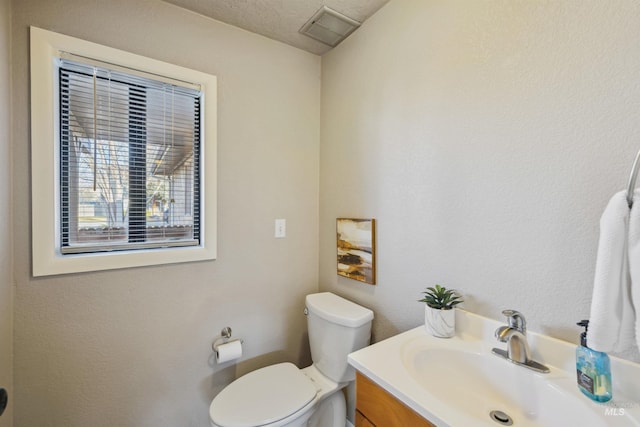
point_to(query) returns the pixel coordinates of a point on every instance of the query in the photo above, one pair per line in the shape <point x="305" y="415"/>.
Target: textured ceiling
<point x="279" y="19"/>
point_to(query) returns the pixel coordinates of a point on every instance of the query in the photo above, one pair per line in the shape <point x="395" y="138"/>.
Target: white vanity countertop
<point x="389" y="364"/>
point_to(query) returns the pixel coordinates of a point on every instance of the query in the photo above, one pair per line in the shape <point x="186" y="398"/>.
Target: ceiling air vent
<point x="329" y="27"/>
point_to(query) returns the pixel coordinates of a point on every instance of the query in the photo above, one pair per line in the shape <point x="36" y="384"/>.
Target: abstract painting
<point x="356" y="249"/>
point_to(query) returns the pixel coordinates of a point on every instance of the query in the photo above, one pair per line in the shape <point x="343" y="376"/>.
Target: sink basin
<point x="478" y="384"/>
<point x="459" y="382"/>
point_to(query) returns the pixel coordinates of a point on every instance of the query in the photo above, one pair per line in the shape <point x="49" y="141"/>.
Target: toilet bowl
<point x="280" y="396"/>
<point x="283" y="395"/>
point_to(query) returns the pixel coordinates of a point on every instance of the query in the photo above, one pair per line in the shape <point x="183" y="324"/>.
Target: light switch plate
<point x="281" y="228"/>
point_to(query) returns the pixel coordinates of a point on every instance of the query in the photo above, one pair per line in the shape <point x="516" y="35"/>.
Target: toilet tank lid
<point x="338" y="310"/>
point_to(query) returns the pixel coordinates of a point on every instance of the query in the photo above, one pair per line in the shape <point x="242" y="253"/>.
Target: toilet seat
<point x="262" y="397"/>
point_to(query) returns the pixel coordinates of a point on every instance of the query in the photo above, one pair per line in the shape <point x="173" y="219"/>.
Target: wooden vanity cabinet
<point x="375" y="407"/>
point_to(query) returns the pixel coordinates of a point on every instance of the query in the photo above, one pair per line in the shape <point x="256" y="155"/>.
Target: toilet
<point x="283" y="395"/>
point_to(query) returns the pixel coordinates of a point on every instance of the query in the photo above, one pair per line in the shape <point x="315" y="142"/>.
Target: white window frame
<point x="45" y="154"/>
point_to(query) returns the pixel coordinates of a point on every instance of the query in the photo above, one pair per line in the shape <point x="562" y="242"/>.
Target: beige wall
<point x="6" y="278"/>
<point x="132" y="347"/>
<point x="486" y="139"/>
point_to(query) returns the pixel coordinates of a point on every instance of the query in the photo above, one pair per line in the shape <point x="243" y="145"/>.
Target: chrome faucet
<point x="514" y="335"/>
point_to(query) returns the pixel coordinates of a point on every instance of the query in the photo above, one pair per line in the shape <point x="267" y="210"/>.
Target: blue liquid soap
<point x="593" y="369"/>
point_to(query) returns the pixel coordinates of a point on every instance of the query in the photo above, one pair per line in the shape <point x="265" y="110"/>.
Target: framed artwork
<point x="357" y="249"/>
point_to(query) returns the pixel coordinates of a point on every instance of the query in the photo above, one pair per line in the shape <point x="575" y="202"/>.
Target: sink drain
<point x="501" y="418"/>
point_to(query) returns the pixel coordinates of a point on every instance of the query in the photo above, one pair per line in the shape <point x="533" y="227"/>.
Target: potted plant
<point x="439" y="313"/>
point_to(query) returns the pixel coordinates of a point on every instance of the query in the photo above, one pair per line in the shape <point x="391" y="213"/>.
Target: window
<point x="129" y="160"/>
<point x="123" y="153"/>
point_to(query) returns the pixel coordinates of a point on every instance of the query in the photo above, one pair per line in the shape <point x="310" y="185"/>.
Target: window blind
<point x="130" y="148"/>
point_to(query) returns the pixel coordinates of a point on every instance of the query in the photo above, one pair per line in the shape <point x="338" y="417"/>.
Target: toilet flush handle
<point x="306" y="311"/>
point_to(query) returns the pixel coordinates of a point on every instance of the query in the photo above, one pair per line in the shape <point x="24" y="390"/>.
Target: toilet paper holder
<point x="225" y="337"/>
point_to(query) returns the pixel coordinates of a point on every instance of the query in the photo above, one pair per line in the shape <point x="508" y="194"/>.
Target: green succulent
<point x="441" y="298"/>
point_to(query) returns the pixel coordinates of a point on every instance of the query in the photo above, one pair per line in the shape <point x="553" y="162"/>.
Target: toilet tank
<point x="337" y="327"/>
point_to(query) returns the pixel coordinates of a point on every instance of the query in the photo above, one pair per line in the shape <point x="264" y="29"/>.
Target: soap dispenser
<point x="593" y="369"/>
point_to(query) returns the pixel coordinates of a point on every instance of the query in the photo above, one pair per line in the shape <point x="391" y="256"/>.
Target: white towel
<point x="634" y="261"/>
<point x="612" y="319"/>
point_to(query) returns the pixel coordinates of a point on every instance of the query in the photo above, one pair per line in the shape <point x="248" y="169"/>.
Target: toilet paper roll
<point x="231" y="350"/>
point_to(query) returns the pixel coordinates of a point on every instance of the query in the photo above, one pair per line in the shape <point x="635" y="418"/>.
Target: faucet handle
<point x="516" y="320"/>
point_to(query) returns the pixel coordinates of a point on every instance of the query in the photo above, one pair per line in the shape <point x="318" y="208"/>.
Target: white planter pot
<point x="440" y="323"/>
